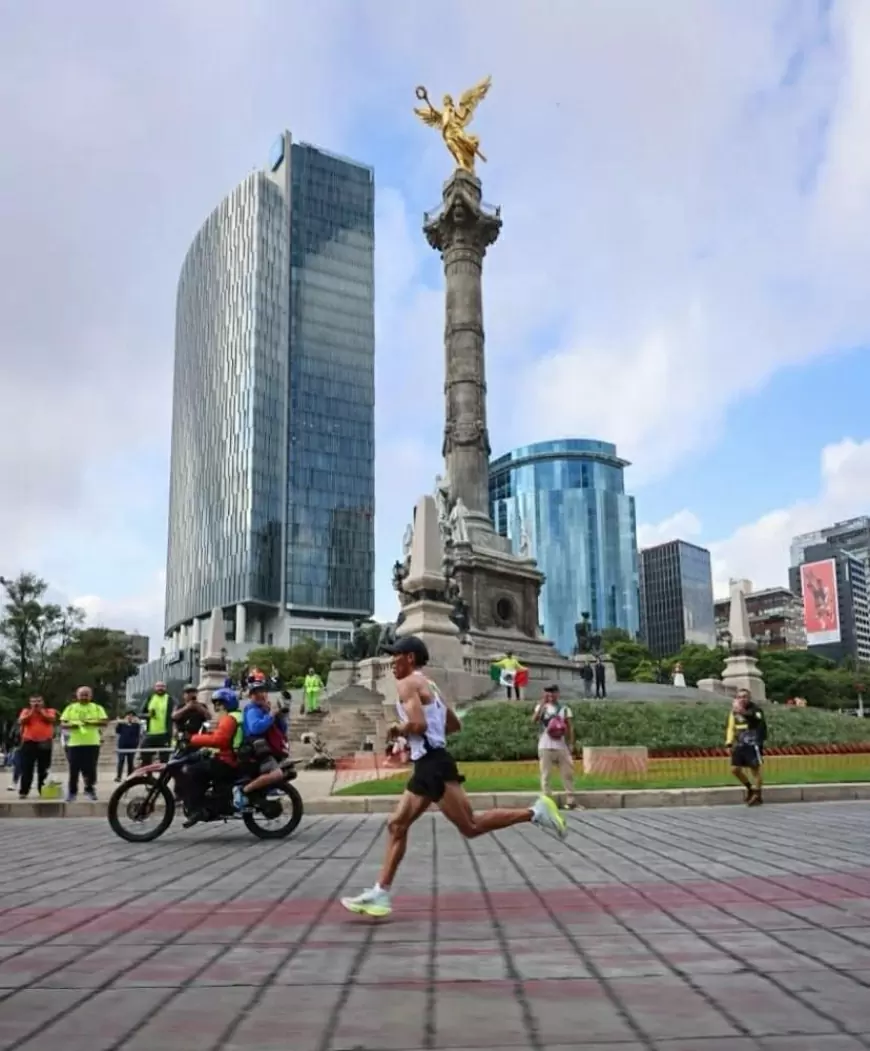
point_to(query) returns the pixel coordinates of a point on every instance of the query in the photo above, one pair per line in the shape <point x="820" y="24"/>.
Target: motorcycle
<point x="151" y="788"/>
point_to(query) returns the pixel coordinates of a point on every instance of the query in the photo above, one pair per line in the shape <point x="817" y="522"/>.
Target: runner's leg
<point x="409" y="808"/>
<point x="456" y="807"/>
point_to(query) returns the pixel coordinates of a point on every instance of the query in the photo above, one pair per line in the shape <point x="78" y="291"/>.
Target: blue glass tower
<point x="569" y="498"/>
<point x="272" y="468"/>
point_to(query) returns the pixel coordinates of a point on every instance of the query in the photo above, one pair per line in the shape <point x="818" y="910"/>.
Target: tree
<point x="290" y="664"/>
<point x="645" y="671"/>
<point x="611" y="636"/>
<point x="95" y="657"/>
<point x="34" y="631"/>
<point x="699" y="662"/>
<point x="626" y="656"/>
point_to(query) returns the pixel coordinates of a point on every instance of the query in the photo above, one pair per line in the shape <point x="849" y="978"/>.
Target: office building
<point x="137" y="646"/>
<point x="835" y="589"/>
<point x="776" y="619"/>
<point x="271" y="512"/>
<point x="852" y="536"/>
<point x="565" y="500"/>
<point x="676" y="603"/>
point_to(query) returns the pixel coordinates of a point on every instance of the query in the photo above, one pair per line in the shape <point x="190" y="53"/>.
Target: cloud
<point x="685" y="193"/>
<point x="140" y="614"/>
<point x="684" y="525"/>
<point x="759" y="550"/>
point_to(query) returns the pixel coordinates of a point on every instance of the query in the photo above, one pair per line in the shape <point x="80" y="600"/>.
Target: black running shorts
<point x="432" y="773"/>
<point x="746" y="755"/>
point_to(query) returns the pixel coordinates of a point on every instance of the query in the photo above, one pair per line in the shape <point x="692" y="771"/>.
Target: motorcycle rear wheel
<point x="115" y="806"/>
<point x="282" y="831"/>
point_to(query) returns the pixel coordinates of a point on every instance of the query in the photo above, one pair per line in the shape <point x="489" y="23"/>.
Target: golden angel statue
<point x="453" y="119"/>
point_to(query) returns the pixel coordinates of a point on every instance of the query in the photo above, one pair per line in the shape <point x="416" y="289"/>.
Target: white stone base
<point x="742" y="673"/>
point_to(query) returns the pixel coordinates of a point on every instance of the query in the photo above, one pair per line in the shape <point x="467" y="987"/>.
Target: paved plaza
<point x="675" y="930"/>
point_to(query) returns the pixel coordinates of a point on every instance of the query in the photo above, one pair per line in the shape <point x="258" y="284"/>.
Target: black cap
<point x="190" y="688"/>
<point x="410" y="644"/>
<point x="552" y="688"/>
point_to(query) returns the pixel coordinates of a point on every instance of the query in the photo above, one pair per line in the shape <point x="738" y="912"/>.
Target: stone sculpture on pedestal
<point x="741" y="666"/>
<point x="499" y="589"/>
<point x="428" y="610"/>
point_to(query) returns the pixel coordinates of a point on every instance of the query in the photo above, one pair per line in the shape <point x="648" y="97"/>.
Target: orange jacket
<point x="37" y="724"/>
<point x="221" y="739"/>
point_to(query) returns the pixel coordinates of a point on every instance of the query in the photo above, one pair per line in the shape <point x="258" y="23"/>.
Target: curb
<point x="601" y="800"/>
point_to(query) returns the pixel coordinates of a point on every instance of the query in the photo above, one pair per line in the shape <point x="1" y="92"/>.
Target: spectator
<point x="588" y="675"/>
<point x="509" y="667"/>
<point x="128" y="731"/>
<point x="679" y="679"/>
<point x="600" y="678"/>
<point x="192" y="715"/>
<point x="37" y="730"/>
<point x="158" y="728"/>
<point x="556" y="743"/>
<point x="83" y="718"/>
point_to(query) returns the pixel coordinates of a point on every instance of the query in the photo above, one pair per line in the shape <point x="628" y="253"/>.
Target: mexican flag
<point x="508" y="676"/>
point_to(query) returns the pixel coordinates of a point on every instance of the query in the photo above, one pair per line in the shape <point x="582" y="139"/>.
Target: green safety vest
<point x="158" y="722"/>
<point x="239" y="735"/>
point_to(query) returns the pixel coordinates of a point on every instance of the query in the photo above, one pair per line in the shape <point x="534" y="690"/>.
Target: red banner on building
<point x="821" y="604"/>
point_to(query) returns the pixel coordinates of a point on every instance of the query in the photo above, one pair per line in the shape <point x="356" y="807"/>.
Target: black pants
<point x="154" y="741"/>
<point x="204" y="773"/>
<point x="600" y="688"/>
<point x="34" y="756"/>
<point x="83" y="760"/>
<point x="127" y="758"/>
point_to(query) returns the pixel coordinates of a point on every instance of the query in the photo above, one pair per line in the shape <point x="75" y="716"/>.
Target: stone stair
<point x="352" y="716"/>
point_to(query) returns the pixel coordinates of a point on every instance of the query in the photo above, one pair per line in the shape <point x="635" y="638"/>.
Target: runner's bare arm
<point x="452" y="724"/>
<point x="415" y="718"/>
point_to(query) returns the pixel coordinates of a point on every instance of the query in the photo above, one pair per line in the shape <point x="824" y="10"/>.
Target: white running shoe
<point x="545" y="814"/>
<point x="372" y="902"/>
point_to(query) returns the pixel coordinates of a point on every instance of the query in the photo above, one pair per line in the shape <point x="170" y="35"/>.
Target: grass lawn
<point x="661" y="773"/>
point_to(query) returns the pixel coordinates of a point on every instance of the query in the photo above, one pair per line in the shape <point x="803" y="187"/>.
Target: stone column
<point x="241" y="623"/>
<point x="461" y="231"/>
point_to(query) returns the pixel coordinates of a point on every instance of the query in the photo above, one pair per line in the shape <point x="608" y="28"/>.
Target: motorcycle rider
<point x="267" y="735"/>
<point x="222" y="766"/>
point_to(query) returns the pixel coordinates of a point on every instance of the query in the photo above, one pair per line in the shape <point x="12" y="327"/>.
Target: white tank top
<point x="436" y="725"/>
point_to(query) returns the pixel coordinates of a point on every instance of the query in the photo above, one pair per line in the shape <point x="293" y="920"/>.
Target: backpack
<point x="276" y="741"/>
<point x="557" y="725"/>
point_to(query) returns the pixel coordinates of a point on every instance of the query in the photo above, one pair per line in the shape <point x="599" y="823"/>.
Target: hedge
<point x="505" y="731"/>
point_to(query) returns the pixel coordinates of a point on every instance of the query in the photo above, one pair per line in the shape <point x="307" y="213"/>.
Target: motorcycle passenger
<point x="266" y="733"/>
<point x="222" y="767"/>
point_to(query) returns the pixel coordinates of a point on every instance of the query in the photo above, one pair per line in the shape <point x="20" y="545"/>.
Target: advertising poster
<point x="821" y="608"/>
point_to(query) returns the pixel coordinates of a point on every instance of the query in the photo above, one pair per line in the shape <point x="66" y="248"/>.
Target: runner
<point x="425" y="723"/>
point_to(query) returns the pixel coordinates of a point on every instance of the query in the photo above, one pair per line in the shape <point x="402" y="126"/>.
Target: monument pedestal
<point x="741" y="672"/>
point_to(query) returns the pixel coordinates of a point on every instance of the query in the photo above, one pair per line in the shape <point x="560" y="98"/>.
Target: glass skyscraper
<point x="271" y="511"/>
<point x="676" y="583"/>
<point x="569" y="499"/>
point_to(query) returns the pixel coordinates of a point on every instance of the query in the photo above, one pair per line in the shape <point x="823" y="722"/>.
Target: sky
<point x="682" y="268"/>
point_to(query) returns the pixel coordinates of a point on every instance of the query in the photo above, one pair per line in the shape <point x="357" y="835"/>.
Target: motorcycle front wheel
<point x="279" y="827"/>
<point x="130" y="803"/>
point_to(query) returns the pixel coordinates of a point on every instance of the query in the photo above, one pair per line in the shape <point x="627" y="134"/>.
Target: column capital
<point x="463" y="219"/>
